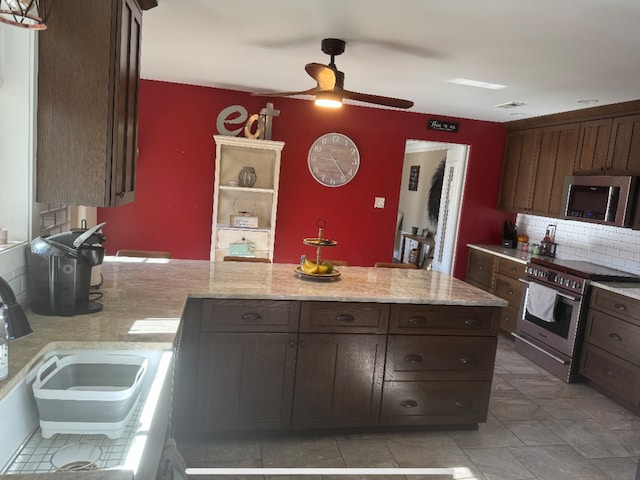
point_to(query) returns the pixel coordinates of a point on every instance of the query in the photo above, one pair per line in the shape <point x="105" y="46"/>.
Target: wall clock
<point x="333" y="159"/>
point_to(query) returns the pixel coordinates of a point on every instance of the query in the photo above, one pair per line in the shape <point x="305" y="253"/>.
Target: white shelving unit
<point x="261" y="200"/>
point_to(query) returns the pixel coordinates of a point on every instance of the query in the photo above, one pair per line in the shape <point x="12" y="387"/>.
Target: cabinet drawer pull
<point x="251" y="317"/>
<point x="480" y="267"/>
<point x="345" y="317"/>
<point x="510" y="292"/>
<point x="615" y="336"/>
<point x="418" y="320"/>
<point x="413" y="358"/>
<point x="609" y="373"/>
<point x="303" y="344"/>
<point x="408" y="404"/>
<point x="472" y="322"/>
<point x="461" y="403"/>
<point x="621" y="307"/>
<point x="467" y="360"/>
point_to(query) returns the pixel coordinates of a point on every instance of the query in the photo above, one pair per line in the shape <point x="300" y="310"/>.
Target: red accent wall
<point x="174" y="180"/>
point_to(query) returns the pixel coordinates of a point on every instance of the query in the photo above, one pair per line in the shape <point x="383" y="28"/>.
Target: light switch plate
<point x="378" y="202"/>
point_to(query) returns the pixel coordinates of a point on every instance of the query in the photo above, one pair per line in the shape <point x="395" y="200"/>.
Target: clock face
<point x="333" y="159"/>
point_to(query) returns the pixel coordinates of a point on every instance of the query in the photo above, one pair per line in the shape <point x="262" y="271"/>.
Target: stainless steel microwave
<point x="605" y="199"/>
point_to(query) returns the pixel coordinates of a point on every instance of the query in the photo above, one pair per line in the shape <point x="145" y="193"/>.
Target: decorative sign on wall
<point x="442" y="125"/>
<point x="414" y="173"/>
<point x="257" y="125"/>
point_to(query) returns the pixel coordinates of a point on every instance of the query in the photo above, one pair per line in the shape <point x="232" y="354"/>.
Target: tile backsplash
<point x="14" y="270"/>
<point x="612" y="247"/>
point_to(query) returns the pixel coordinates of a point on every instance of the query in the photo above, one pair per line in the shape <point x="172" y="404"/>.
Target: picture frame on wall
<point x="414" y="174"/>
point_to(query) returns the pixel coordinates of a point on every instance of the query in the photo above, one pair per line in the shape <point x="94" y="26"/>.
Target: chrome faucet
<point x="12" y="313"/>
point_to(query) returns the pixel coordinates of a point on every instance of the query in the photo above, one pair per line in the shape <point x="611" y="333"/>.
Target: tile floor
<point x="538" y="428"/>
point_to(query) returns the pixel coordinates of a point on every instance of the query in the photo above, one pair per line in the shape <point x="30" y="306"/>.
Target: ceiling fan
<point x="329" y="90"/>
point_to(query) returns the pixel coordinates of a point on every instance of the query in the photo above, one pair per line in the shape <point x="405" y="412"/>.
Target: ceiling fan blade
<point x="377" y="99"/>
<point x="323" y="74"/>
<point x="311" y="91"/>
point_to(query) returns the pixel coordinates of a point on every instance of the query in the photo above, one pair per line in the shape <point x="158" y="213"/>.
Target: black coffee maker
<point x="59" y="271"/>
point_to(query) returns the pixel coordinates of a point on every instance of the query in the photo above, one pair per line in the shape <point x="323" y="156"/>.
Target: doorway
<point x="433" y="177"/>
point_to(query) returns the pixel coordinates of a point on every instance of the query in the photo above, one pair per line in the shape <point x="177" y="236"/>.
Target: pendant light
<point x="31" y="14"/>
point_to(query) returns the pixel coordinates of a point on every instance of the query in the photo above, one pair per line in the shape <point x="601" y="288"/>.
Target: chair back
<point x="409" y="266"/>
<point x="233" y="258"/>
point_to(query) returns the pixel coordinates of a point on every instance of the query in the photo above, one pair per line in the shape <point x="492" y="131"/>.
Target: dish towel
<point x="541" y="302"/>
<point x="172" y="465"/>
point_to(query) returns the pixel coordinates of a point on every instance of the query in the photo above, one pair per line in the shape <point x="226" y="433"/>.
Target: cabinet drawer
<point x="510" y="268"/>
<point x="613" y="374"/>
<point x="420" y="357"/>
<point x="510" y="289"/>
<point x="509" y="319"/>
<point x="414" y="403"/>
<point x="250" y="316"/>
<point x="615" y="304"/>
<point x="480" y="269"/>
<point x="344" y="317"/>
<point x="444" y="320"/>
<point x="616" y="336"/>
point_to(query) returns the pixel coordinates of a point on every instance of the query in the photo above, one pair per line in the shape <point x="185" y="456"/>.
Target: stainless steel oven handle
<point x="557" y="359"/>
<point x="563" y="295"/>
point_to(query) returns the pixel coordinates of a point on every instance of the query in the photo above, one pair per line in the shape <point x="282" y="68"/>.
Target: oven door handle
<point x="563" y="295"/>
<point x="557" y="359"/>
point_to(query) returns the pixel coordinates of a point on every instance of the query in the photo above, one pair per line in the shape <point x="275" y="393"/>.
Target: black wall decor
<point x="414" y="173"/>
<point x="443" y="126"/>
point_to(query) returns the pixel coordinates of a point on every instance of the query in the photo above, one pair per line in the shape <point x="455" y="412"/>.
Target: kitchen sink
<point x="27" y="450"/>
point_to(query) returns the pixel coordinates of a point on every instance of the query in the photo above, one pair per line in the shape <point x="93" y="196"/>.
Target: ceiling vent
<point x="510" y="105"/>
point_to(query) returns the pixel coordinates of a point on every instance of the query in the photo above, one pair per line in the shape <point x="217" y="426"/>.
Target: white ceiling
<point x="548" y="53"/>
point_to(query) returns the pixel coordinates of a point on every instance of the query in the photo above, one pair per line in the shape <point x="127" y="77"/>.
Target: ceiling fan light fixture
<point x="328" y="99"/>
<point x="30" y="14"/>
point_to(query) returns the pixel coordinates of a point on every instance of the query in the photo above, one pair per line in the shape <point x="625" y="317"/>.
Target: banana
<point x="309" y="267"/>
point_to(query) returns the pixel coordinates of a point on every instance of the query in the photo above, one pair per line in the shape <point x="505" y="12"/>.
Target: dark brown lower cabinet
<point x="338" y="380"/>
<point x="246" y="380"/>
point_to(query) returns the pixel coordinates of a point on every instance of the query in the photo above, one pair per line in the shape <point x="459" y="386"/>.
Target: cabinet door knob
<point x="609" y="373"/>
<point x="472" y="322"/>
<point x="467" y="360"/>
<point x="292" y="343"/>
<point x="418" y="320"/>
<point x="303" y="344"/>
<point x="480" y="267"/>
<point x="615" y="336"/>
<point x="408" y="404"/>
<point x="345" y="317"/>
<point x="120" y="194"/>
<point x="413" y="358"/>
<point x="251" y="317"/>
<point x="621" y="307"/>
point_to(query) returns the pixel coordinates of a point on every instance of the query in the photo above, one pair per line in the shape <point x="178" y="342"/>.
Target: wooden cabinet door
<point x="521" y="157"/>
<point x="593" y="145"/>
<point x="88" y="72"/>
<point x="480" y="269"/>
<point x="338" y="380"/>
<point x="245" y="381"/>
<point x="624" y="147"/>
<point x="125" y="129"/>
<point x="558" y="146"/>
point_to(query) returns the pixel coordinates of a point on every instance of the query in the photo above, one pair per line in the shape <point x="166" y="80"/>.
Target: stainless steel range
<point x="551" y="321"/>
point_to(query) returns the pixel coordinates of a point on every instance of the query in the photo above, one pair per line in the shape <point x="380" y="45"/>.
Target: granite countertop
<point x="631" y="290"/>
<point x="144" y="298"/>
<point x="508" y="253"/>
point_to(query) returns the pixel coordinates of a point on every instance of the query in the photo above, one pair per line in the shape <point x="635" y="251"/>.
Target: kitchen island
<point x="146" y="301"/>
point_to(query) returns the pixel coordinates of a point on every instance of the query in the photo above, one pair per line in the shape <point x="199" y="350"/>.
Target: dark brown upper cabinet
<point x="521" y="157"/>
<point x="89" y="70"/>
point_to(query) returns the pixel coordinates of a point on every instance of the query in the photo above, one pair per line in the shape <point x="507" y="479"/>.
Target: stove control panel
<point x="562" y="280"/>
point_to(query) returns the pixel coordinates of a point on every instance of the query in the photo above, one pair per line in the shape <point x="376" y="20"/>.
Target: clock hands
<point x="336" y="163"/>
